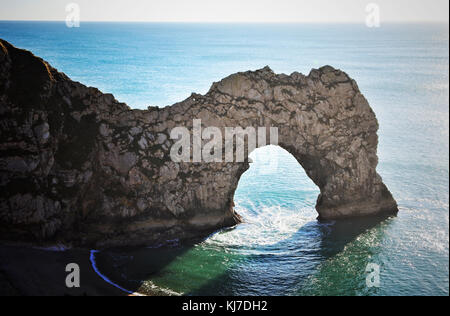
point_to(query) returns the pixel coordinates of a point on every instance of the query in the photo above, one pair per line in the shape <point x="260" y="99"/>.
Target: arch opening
<point x="275" y="198"/>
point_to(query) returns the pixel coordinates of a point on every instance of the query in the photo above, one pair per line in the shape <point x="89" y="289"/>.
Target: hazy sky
<point x="227" y="10"/>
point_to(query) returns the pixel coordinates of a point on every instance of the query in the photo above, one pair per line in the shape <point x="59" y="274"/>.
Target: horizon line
<point x="237" y="22"/>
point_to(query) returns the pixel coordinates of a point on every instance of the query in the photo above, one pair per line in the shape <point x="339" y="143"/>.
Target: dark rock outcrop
<point x="77" y="166"/>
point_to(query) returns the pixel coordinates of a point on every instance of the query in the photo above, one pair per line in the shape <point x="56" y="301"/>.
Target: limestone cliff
<point x="78" y="166"/>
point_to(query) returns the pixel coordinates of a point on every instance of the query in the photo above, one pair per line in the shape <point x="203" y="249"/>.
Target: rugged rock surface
<point x="77" y="166"/>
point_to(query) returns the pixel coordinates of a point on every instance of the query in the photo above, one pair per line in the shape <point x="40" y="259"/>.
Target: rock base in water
<point x="77" y="166"/>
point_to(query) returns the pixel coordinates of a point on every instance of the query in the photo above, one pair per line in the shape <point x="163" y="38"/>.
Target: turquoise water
<point x="281" y="249"/>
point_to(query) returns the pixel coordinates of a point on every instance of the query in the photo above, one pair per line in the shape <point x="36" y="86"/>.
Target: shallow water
<point x="281" y="249"/>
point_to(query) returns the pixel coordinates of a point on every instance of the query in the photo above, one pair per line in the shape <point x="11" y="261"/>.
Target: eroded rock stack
<point x="79" y="167"/>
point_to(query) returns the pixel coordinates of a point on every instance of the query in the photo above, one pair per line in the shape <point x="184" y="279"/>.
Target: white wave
<point x="104" y="277"/>
<point x="158" y="289"/>
<point x="55" y="248"/>
<point x="147" y="284"/>
<point x="269" y="226"/>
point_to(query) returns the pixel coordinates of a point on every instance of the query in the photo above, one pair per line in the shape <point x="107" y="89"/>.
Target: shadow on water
<point x="336" y="235"/>
<point x="311" y="246"/>
<point x="131" y="268"/>
<point x="284" y="268"/>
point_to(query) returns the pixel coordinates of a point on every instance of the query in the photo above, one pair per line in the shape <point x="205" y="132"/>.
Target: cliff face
<point x="77" y="166"/>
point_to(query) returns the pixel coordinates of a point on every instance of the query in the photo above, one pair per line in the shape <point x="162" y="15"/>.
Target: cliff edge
<point x="79" y="167"/>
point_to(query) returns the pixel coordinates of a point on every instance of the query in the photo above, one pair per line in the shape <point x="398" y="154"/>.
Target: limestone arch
<point x="95" y="172"/>
<point x="323" y="121"/>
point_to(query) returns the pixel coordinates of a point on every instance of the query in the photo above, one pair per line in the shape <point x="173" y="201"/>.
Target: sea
<point x="281" y="248"/>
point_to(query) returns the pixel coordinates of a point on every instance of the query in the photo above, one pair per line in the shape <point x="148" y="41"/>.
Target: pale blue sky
<point x="227" y="10"/>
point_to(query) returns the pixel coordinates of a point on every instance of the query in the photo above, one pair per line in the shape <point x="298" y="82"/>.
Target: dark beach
<point x="35" y="272"/>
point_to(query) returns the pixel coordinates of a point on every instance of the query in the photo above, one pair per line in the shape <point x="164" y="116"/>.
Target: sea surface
<point x="281" y="249"/>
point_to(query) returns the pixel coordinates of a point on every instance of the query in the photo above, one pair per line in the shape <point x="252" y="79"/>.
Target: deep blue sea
<point x="403" y="70"/>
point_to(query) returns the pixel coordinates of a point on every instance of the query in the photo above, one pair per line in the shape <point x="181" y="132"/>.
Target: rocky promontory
<point x="79" y="167"/>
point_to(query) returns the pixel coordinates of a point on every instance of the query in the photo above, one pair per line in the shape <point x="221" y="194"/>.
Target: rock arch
<point x="78" y="166"/>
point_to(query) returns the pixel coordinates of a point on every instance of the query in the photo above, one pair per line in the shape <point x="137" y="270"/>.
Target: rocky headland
<point x="81" y="168"/>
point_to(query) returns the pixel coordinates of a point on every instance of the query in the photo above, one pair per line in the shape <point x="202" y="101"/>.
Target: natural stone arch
<point x="323" y="121"/>
<point x="93" y="171"/>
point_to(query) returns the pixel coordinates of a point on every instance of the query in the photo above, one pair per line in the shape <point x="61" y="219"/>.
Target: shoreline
<point x="28" y="271"/>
